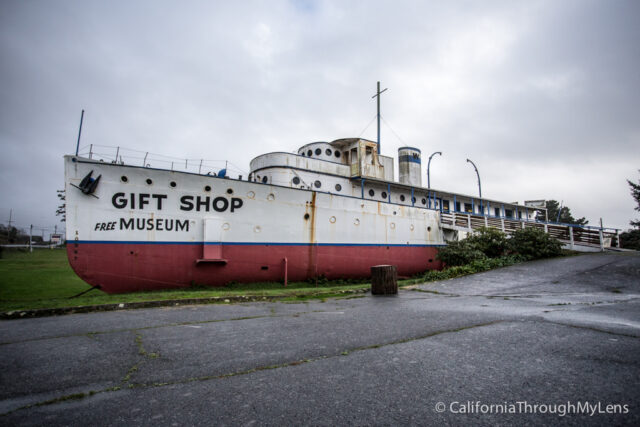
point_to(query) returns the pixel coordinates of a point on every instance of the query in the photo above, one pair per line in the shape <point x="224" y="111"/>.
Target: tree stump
<point x="384" y="280"/>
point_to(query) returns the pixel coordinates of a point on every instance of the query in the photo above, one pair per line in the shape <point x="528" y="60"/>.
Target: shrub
<point x="490" y="241"/>
<point x="482" y="244"/>
<point x="460" y="252"/>
<point x="630" y="239"/>
<point x="533" y="243"/>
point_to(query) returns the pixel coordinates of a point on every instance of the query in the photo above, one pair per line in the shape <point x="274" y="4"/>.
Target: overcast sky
<point x="544" y="96"/>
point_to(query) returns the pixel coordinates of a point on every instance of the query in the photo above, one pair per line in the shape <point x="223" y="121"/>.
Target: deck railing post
<point x="601" y="240"/>
<point x="469" y="222"/>
<point x="571" y="237"/>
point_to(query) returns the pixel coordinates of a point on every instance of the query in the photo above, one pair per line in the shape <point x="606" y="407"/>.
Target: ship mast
<point x="378" y="93"/>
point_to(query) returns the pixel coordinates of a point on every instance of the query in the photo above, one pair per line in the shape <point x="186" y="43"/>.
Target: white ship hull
<point x="145" y="228"/>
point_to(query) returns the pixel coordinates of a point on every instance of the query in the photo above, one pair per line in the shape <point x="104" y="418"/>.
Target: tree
<point x="62" y="209"/>
<point x="565" y="217"/>
<point x="631" y="239"/>
<point x="635" y="193"/>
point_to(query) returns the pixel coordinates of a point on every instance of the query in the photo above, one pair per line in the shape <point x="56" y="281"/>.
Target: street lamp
<point x="429" y="164"/>
<point x="479" y="186"/>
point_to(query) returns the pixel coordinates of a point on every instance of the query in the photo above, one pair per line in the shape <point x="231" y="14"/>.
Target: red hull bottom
<point x="129" y="267"/>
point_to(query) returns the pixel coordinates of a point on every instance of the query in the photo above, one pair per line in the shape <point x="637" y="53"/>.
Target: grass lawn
<point x="44" y="279"/>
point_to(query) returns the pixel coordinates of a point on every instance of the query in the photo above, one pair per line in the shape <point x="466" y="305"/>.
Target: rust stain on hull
<point x="311" y="223"/>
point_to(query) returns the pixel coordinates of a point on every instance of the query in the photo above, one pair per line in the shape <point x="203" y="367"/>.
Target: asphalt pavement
<point x="545" y="342"/>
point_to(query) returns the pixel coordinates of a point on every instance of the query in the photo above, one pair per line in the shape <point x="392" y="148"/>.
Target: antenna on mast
<point x="378" y="92"/>
<point x="80" y="132"/>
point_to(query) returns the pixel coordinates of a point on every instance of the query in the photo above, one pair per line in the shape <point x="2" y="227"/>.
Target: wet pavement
<point x="554" y="341"/>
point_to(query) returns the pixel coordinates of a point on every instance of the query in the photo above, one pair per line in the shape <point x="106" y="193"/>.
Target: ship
<point x="329" y="210"/>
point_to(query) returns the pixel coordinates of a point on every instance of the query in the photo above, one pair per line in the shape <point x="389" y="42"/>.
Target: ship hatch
<point x="212" y="250"/>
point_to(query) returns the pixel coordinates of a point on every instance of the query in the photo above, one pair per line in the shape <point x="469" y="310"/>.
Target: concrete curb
<point x="45" y="312"/>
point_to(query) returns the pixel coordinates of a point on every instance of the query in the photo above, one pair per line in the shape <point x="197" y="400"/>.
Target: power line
<point x="392" y="131"/>
<point x="367" y="126"/>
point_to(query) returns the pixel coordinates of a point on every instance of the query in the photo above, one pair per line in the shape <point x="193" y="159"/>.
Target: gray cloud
<point x="541" y="95"/>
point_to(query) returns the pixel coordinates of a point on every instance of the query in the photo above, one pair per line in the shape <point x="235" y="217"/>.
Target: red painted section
<point x="128" y="267"/>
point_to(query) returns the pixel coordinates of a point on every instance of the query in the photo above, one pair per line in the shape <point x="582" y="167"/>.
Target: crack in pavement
<point x="92" y="334"/>
<point x="344" y="353"/>
<point x="132" y="370"/>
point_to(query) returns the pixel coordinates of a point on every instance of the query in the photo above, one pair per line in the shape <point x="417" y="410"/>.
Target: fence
<point x="570" y="234"/>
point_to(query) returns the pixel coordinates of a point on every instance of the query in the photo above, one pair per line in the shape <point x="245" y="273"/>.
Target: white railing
<point x="125" y="156"/>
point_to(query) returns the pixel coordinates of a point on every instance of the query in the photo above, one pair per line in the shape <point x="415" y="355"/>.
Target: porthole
<point x="328" y="151"/>
<point x="309" y="153"/>
<point x="265" y="179"/>
<point x="207" y="188"/>
<point x="337" y="154"/>
<point x="173" y="184"/>
<point x="306" y="216"/>
<point x="402" y="197"/>
<point x="424" y="201"/>
<point x="411" y="227"/>
<point x="124" y="178"/>
<point x="384" y="195"/>
<point x="356" y="221"/>
<point x="302" y="154"/>
<point x="295" y="180"/>
<point x="392" y="225"/>
<point x="257" y="229"/>
<point x="271" y="197"/>
<point x="149" y="181"/>
<point x="338" y="187"/>
<point x="332" y="220"/>
<point x="251" y="194"/>
<point x="226" y="226"/>
<point x="428" y="228"/>
<point x="372" y="193"/>
<point x="318" y="151"/>
<point x="317" y="184"/>
<point x="229" y="190"/>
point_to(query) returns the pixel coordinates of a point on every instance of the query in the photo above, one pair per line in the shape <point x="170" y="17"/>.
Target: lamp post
<point x="479" y="186"/>
<point x="429" y="164"/>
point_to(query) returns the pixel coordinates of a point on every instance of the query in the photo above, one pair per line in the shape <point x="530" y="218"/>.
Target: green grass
<point x="44" y="279"/>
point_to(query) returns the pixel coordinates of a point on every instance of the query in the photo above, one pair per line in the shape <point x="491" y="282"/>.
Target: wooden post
<point x="286" y="270"/>
<point x="384" y="280"/>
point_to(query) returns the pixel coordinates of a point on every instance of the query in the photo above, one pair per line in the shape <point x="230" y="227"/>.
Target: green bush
<point x="490" y="241"/>
<point x="482" y="244"/>
<point x="533" y="243"/>
<point x="630" y="239"/>
<point x="460" y="252"/>
<point x="489" y="244"/>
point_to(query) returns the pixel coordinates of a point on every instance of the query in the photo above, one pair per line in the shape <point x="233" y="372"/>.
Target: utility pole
<point x="428" y="165"/>
<point x="30" y="238"/>
<point x="378" y="93"/>
<point x="478" y="174"/>
<point x="9" y="227"/>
